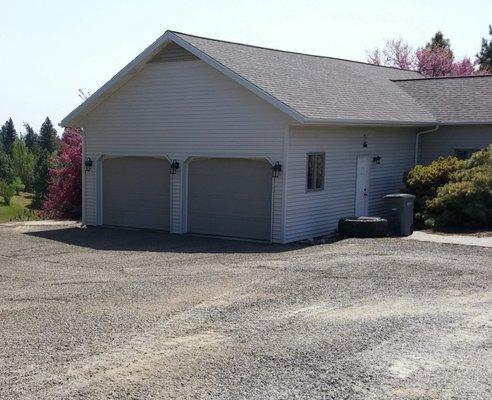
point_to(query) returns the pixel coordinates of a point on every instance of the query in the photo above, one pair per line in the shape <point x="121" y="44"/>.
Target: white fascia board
<point x="72" y="119"/>
<point x="447" y="123"/>
<point x="363" y="122"/>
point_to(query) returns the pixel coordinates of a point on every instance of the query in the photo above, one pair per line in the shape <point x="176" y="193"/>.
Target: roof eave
<point x="366" y="122"/>
<point x="470" y="122"/>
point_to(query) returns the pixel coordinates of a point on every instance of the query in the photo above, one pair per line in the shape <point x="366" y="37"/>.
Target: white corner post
<point x="83" y="177"/>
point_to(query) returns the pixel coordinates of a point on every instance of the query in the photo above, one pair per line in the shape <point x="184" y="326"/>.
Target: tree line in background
<point x="434" y="59"/>
<point x="35" y="162"/>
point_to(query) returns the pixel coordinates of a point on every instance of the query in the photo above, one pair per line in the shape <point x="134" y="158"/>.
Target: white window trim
<point x="315" y="189"/>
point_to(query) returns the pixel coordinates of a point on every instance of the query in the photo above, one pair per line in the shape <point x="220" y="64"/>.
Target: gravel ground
<point x="114" y="314"/>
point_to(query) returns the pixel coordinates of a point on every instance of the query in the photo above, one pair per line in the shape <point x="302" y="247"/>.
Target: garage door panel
<point x="136" y="192"/>
<point x="242" y="227"/>
<point x="227" y="206"/>
<point x="232" y="205"/>
<point x="230" y="197"/>
<point x="229" y="213"/>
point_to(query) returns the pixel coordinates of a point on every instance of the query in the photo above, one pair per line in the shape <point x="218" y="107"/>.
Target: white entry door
<point x="362" y="186"/>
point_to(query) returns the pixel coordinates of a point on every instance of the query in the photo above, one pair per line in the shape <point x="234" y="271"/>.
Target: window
<point x="315" y="171"/>
<point x="463" y="154"/>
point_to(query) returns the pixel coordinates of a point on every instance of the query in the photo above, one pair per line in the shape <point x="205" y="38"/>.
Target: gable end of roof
<point x="73" y="119"/>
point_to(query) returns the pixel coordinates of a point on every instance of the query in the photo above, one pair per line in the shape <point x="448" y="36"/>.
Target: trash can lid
<point x="399" y="195"/>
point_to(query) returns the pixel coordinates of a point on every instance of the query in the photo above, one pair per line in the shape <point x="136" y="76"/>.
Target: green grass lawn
<point x="18" y="209"/>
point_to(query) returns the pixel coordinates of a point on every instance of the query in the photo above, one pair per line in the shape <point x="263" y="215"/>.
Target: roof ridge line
<point x="428" y="78"/>
<point x="293" y="52"/>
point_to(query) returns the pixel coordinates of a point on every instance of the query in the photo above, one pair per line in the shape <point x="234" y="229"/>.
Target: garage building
<point x="209" y="137"/>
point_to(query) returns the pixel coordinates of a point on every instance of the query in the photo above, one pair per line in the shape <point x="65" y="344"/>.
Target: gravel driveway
<point x="101" y="313"/>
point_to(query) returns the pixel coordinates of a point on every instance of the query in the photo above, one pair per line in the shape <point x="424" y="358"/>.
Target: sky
<point x="51" y="48"/>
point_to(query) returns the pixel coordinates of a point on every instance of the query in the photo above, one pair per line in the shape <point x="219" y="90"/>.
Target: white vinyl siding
<point x="447" y="139"/>
<point x="172" y="53"/>
<point x="311" y="214"/>
<point x="179" y="110"/>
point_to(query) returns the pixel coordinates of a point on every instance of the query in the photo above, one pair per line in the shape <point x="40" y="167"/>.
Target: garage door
<point x="230" y="197"/>
<point x="136" y="192"/>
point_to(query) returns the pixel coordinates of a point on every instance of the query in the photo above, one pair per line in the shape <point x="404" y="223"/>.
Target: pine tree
<point x="41" y="178"/>
<point x="8" y="135"/>
<point x="47" y="136"/>
<point x="6" y="170"/>
<point x="439" y="42"/>
<point x="31" y="138"/>
<point x="484" y="58"/>
<point x="23" y="162"/>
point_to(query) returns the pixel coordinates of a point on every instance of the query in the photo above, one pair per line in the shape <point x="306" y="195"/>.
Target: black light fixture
<point x="174" y="167"/>
<point x="364" y="144"/>
<point x="276" y="168"/>
<point x="88" y="163"/>
<point x="376" y="160"/>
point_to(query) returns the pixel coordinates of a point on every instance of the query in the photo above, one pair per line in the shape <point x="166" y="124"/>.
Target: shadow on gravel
<point x="99" y="238"/>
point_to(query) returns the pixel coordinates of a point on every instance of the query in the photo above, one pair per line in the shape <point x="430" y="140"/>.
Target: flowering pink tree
<point x="396" y="53"/>
<point x="434" y="62"/>
<point x="440" y="62"/>
<point x="463" y="67"/>
<point x="435" y="59"/>
<point x="64" y="197"/>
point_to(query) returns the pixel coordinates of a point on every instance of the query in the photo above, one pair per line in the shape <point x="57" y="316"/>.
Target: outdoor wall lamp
<point x="174" y="167"/>
<point x="276" y="168"/>
<point x="364" y="144"/>
<point x="376" y="160"/>
<point x="88" y="163"/>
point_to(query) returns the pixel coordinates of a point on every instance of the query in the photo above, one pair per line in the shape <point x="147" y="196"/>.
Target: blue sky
<point x="51" y="48"/>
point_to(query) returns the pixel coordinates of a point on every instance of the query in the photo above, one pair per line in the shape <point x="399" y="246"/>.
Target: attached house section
<point x="224" y="138"/>
<point x="457" y="140"/>
<point x="463" y="110"/>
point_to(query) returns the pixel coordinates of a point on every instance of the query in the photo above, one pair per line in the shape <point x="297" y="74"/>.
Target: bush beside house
<point x="424" y="180"/>
<point x="454" y="193"/>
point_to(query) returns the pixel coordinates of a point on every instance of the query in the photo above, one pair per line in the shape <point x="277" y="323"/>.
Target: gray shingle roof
<point x="320" y="87"/>
<point x="454" y="99"/>
<point x="319" y="90"/>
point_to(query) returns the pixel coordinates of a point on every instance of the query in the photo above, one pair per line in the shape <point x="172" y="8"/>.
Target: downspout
<point x="417" y="137"/>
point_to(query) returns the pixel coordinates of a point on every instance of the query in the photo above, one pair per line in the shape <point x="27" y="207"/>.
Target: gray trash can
<point x="400" y="213"/>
